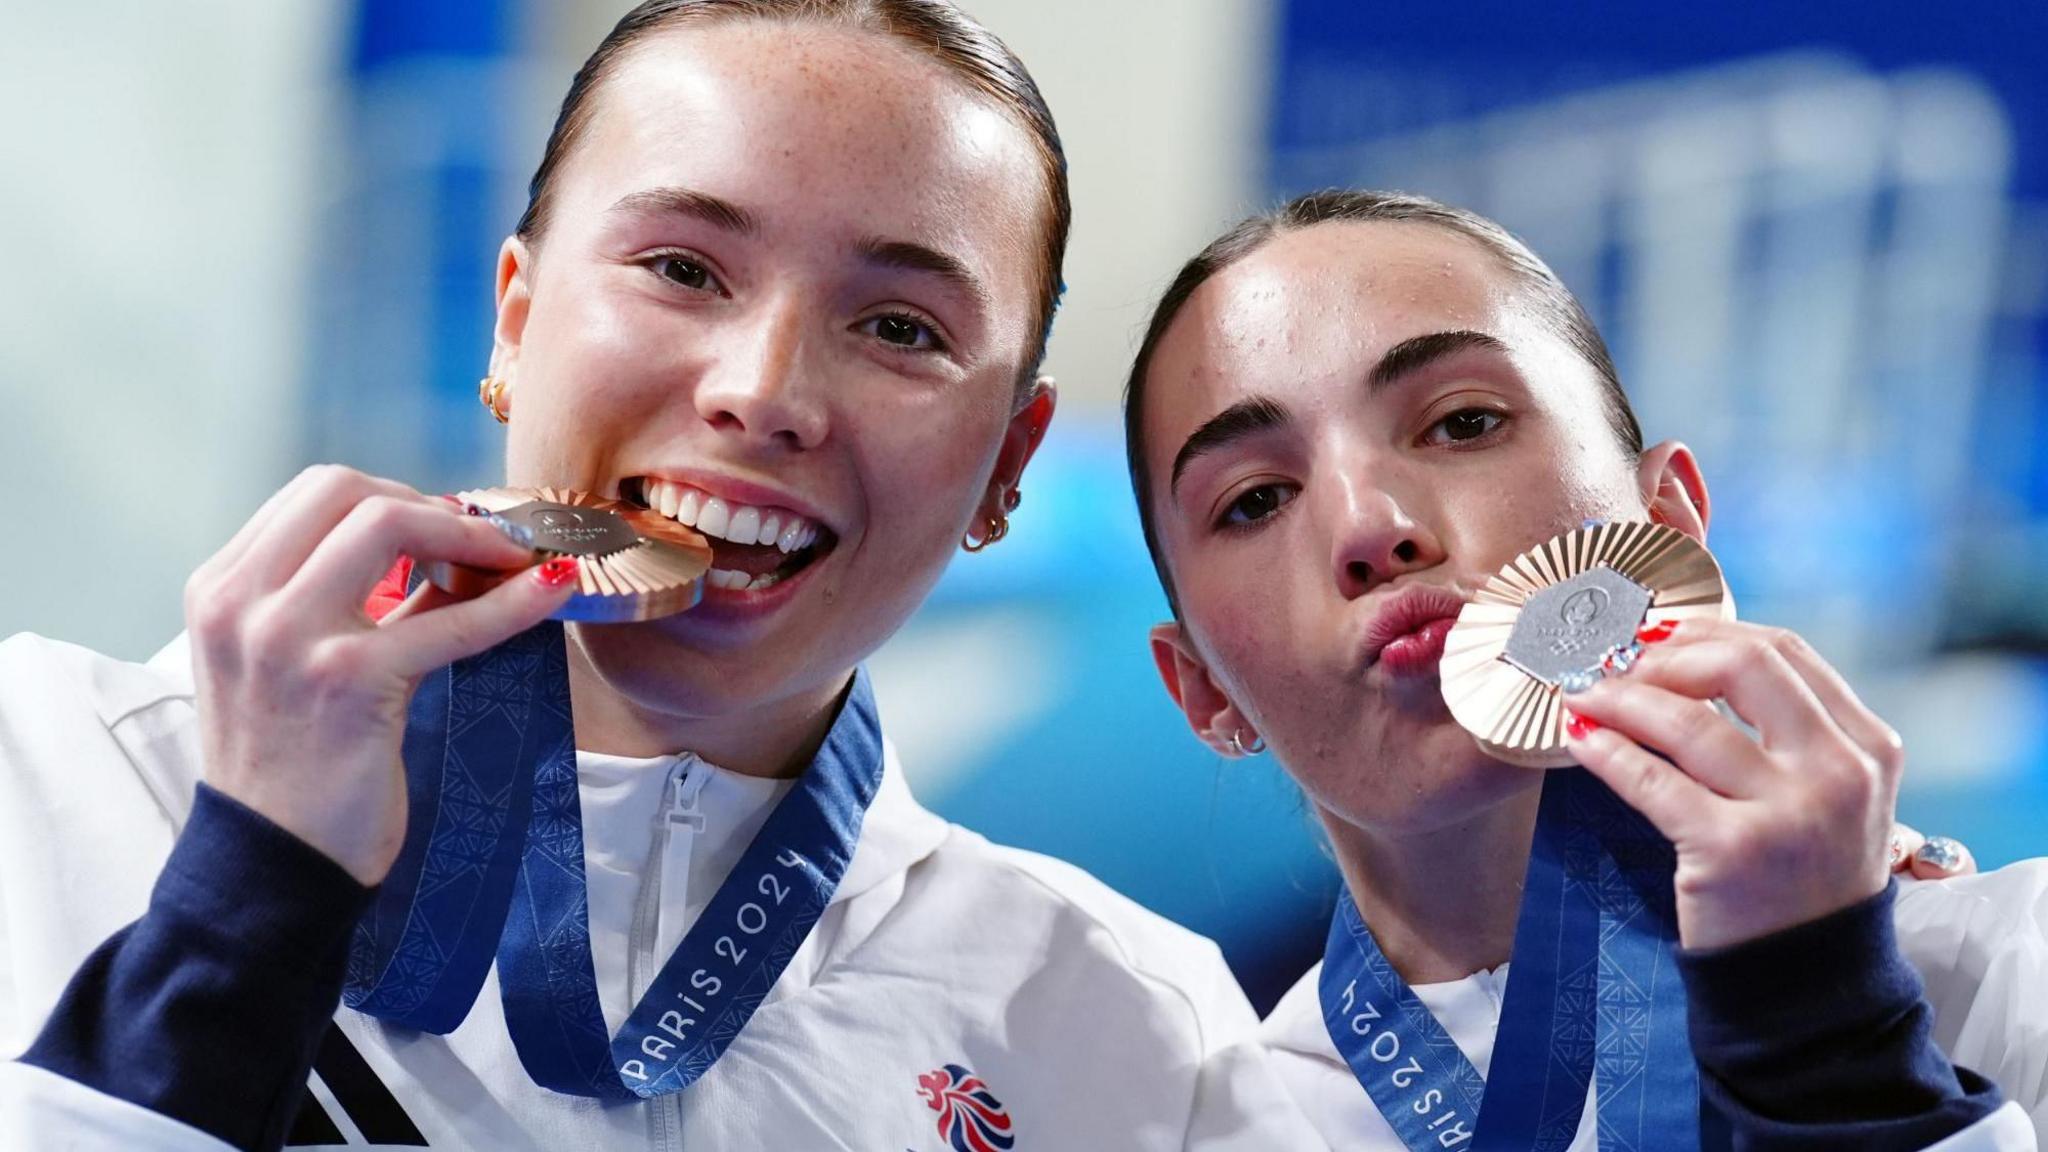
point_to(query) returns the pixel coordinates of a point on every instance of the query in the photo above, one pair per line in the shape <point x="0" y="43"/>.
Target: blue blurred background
<point x="244" y="236"/>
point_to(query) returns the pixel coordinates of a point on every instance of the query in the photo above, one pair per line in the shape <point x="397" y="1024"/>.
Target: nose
<point x="763" y="388"/>
<point x="1378" y="539"/>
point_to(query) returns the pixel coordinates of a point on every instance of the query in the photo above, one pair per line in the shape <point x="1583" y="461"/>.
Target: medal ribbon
<point x="493" y="866"/>
<point x="1593" y="992"/>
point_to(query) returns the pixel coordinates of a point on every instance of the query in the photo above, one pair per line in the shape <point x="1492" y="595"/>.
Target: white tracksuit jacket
<point x="1096" y="1024"/>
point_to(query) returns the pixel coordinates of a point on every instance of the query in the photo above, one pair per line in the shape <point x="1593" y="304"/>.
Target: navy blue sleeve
<point x="211" y="1007"/>
<point x="1820" y="1037"/>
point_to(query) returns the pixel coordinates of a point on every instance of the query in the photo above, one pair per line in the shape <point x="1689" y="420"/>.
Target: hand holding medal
<point x="303" y="698"/>
<point x="1771" y="831"/>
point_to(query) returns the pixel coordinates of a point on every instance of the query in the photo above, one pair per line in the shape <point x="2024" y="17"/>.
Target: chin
<point x="664" y="673"/>
<point x="1429" y="778"/>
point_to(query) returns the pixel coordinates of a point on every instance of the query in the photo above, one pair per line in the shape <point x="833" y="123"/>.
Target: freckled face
<point x="793" y="353"/>
<point x="1363" y="479"/>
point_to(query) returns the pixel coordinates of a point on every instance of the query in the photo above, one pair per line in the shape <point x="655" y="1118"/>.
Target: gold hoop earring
<point x="1012" y="498"/>
<point x="998" y="528"/>
<point x="492" y="391"/>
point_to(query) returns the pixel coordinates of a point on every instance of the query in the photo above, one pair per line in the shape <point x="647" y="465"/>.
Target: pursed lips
<point x="1407" y="634"/>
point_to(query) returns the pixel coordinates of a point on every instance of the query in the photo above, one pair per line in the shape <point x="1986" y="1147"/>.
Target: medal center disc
<point x="570" y="530"/>
<point x="1569" y="626"/>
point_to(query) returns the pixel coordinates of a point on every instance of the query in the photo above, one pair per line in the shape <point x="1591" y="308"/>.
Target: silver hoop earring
<point x="1237" y="744"/>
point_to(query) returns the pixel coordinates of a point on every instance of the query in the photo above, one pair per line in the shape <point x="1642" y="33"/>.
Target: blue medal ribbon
<point x="420" y="954"/>
<point x="493" y="866"/>
<point x="1648" y="1082"/>
<point x="1593" y="994"/>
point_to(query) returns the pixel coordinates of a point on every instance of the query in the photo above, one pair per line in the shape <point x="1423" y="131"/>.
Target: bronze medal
<point x="1563" y="614"/>
<point x="634" y="564"/>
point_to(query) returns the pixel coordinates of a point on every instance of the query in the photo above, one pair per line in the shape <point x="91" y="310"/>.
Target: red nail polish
<point x="557" y="572"/>
<point x="1579" y="727"/>
<point x="455" y="500"/>
<point x="1654" y="633"/>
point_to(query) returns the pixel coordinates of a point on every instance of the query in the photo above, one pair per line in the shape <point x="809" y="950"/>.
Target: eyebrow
<point x="688" y="202"/>
<point x="1418" y="352"/>
<point x="1260" y="413"/>
<point x="919" y="258"/>
<point x="1244" y="418"/>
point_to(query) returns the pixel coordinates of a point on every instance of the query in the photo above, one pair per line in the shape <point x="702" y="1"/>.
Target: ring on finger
<point x="1941" y="852"/>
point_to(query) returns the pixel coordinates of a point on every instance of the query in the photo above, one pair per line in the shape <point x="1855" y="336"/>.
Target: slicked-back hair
<point x="936" y="28"/>
<point x="1553" y="303"/>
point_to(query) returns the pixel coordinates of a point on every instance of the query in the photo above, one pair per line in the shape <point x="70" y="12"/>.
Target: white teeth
<point x="745" y="526"/>
<point x="715" y="518"/>
<point x="739" y="523"/>
<point x="729" y="579"/>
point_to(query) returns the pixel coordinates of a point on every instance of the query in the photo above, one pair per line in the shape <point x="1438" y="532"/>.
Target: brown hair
<point x="1554" y="303"/>
<point x="935" y="27"/>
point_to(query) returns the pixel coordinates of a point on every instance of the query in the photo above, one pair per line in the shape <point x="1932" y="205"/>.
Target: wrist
<point x="359" y="836"/>
<point x="1718" y="921"/>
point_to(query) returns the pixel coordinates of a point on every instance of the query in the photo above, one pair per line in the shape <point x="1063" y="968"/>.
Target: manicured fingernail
<point x="557" y="572"/>
<point x="1573" y="683"/>
<point x="1656" y="633"/>
<point x="455" y="500"/>
<point x="1942" y="852"/>
<point x="1579" y="727"/>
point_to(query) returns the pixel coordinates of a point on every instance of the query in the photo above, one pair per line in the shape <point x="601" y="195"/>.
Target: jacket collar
<point x="897" y="833"/>
<point x="1296" y="1023"/>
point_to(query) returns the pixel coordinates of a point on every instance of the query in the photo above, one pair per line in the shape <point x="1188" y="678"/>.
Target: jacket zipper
<point x="667" y="883"/>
